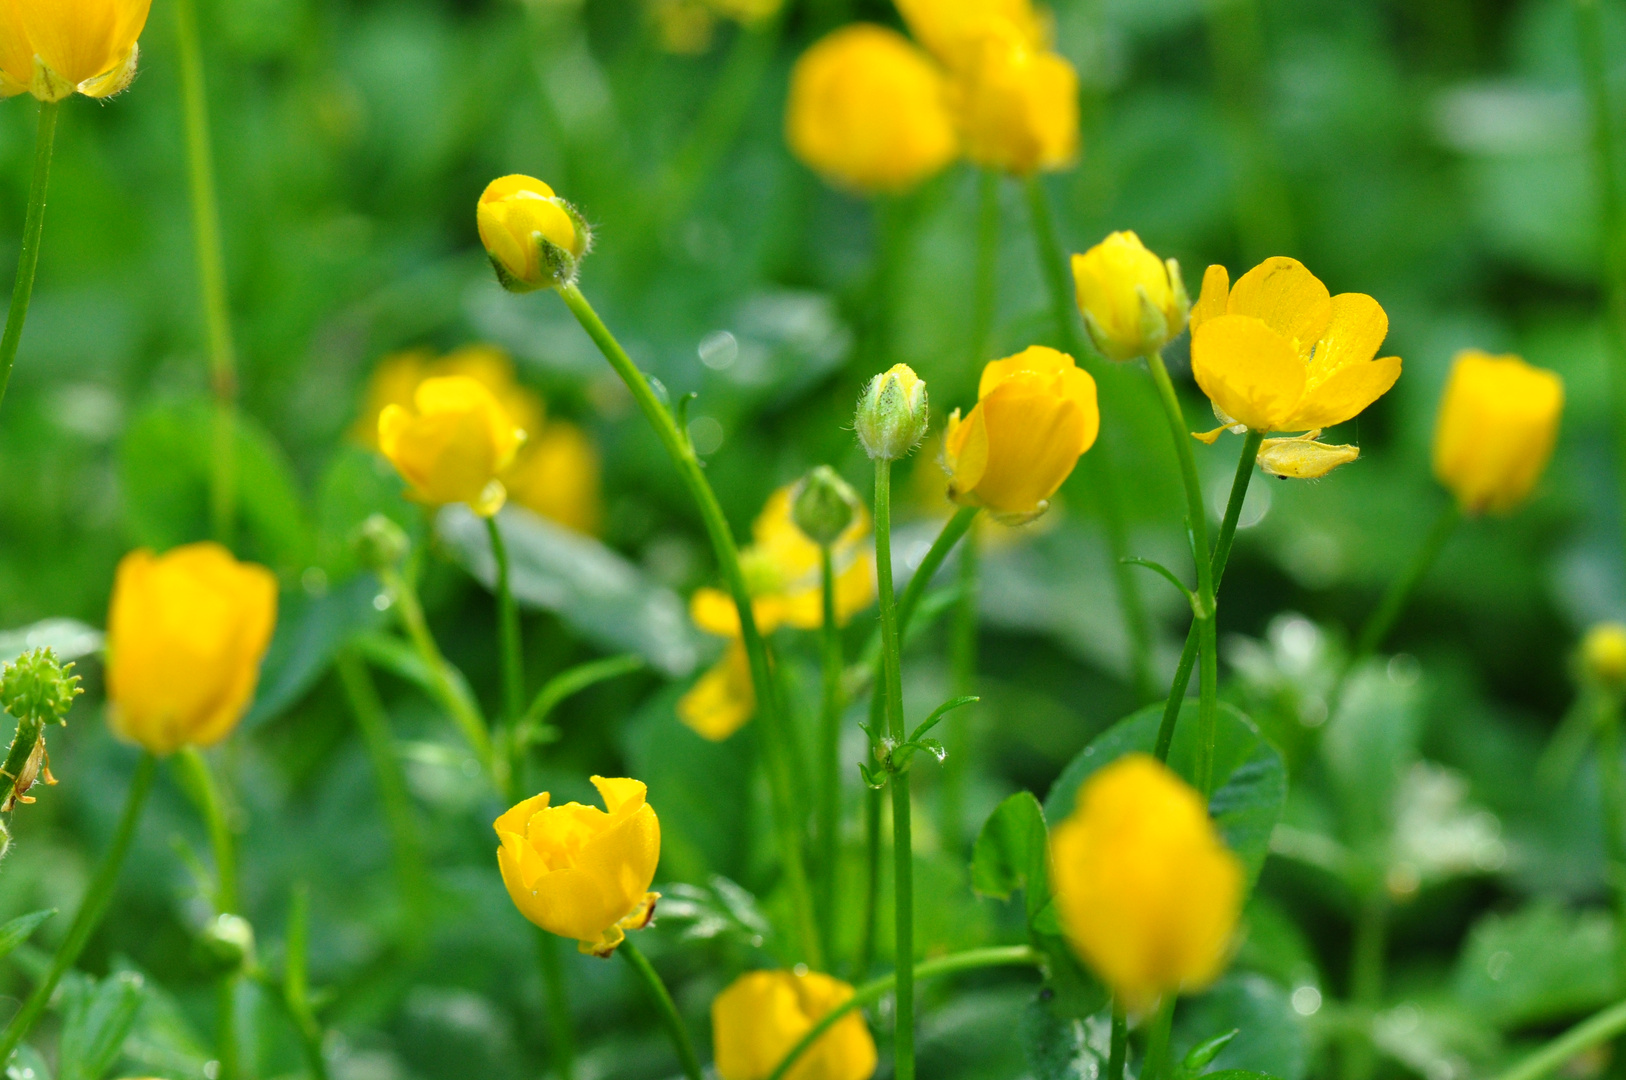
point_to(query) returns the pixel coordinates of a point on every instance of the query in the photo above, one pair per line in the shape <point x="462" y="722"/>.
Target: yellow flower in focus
<point x="1302" y="458"/>
<point x="869" y="111"/>
<point x="53" y="48"/>
<point x="1147" y="891"/>
<point x="186" y="632"/>
<point x="1603" y="655"/>
<point x="1279" y="353"/>
<point x="1133" y="302"/>
<point x="557" y="475"/>
<point x="954" y="30"/>
<point x="1035" y="417"/>
<point x="1496" y="429"/>
<point x="1017" y="107"/>
<point x="454" y="447"/>
<point x="534" y="237"/>
<point x="581" y="872"/>
<point x="763" y="1015"/>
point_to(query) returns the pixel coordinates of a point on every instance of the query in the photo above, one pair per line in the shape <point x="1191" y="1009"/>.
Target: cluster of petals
<point x="54" y="49"/>
<point x="763" y="1015"/>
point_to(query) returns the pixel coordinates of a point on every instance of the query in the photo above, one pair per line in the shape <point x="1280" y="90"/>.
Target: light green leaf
<point x="20" y="929"/>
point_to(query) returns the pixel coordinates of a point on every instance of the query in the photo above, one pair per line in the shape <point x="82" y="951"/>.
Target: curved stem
<point x="554" y="692"/>
<point x="513" y="656"/>
<point x="28" y="258"/>
<point x="91" y="909"/>
<point x="829" y="806"/>
<point x="871" y="992"/>
<point x="665" y="1006"/>
<point x="727" y="553"/>
<point x="1582" y="1037"/>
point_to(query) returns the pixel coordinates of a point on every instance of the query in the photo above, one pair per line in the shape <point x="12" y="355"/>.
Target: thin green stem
<point x="199" y="782"/>
<point x="955" y="528"/>
<point x="1197" y="524"/>
<point x="296" y="982"/>
<point x="513" y="654"/>
<point x="28" y="259"/>
<point x="1098" y="463"/>
<point x="1158" y="1064"/>
<point x="667" y="1009"/>
<point x="829" y="752"/>
<point x="1400" y="589"/>
<point x="554" y="692"/>
<point x="903" y="872"/>
<point x="683" y="455"/>
<point x="560" y="1025"/>
<point x="1118" y="1053"/>
<point x="1612" y="788"/>
<point x="91" y="909"/>
<point x="1582" y="1037"/>
<point x="963" y="676"/>
<point x="1366" y="981"/>
<point x="211" y="272"/>
<point x="874" y="806"/>
<point x="985" y="299"/>
<point x="871" y="992"/>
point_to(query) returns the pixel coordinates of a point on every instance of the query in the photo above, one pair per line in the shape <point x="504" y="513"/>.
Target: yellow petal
<point x="1358" y="326"/>
<point x="1035" y="359"/>
<point x="1215" y="297"/>
<point x="965" y="452"/>
<point x="722" y="700"/>
<point x="1035" y="437"/>
<point x="81" y="40"/>
<point x="621" y="794"/>
<point x="1248" y="370"/>
<point x="1345" y="394"/>
<point x="1303" y="458"/>
<point x="1496" y="430"/>
<point x="1286" y="297"/>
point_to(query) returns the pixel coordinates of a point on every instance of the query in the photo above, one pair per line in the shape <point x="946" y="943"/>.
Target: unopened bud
<point x="892" y="413"/>
<point x="823" y="506"/>
<point x="1302" y="458"/>
<point x="534" y="238"/>
<point x="381" y="544"/>
<point x="35" y="687"/>
<point x="228" y="943"/>
<point x="1603" y="656"/>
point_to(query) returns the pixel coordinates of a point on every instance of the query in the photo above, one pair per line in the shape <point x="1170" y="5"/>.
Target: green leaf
<point x="1059" y="1046"/>
<point x="20" y="929"/>
<point x="1542" y="964"/>
<point x="1271" y="1038"/>
<point x="1011" y="853"/>
<point x="402" y="660"/>
<point x="310" y="630"/>
<point x="96" y="1019"/>
<point x="356" y="484"/>
<point x="26" y="1064"/>
<point x="1250" y="779"/>
<point x="1367" y="749"/>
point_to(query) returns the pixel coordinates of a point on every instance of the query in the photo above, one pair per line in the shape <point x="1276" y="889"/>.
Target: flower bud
<point x="1303" y="458"/>
<point x="1133" y="302"/>
<point x="1017" y="107"/>
<point x="581" y="872"/>
<point x="186" y="632"/>
<point x="763" y="1015"/>
<point x="1496" y="429"/>
<point x="1147" y="891"/>
<point x="34" y="686"/>
<point x="892" y="413"/>
<point x="228" y="943"/>
<point x="1603" y="656"/>
<point x="535" y="239"/>
<point x="456" y="446"/>
<point x="381" y="544"/>
<point x="52" y="49"/>
<point x="824" y="505"/>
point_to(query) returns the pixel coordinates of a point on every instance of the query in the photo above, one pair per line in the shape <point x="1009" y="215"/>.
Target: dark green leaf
<point x="1544" y="963"/>
<point x="1271" y="1036"/>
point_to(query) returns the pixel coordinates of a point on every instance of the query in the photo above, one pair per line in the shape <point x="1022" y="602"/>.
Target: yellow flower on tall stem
<point x="763" y="1015"/>
<point x="534" y="237"/>
<point x="1133" y="302"/>
<point x="1497" y="426"/>
<point x="454" y="446"/>
<point x="1017" y="107"/>
<point x="56" y="48"/>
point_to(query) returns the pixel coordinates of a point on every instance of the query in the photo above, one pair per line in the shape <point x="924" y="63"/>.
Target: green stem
<point x="955" y="528"/>
<point x="903" y="872"/>
<point x="199" y="782"/>
<point x="1157" y="1042"/>
<point x="1098" y="464"/>
<point x="1118" y="1054"/>
<point x="554" y="692"/>
<point x="1394" y="600"/>
<point x="560" y="1024"/>
<point x="91" y="909"/>
<point x="871" y="992"/>
<point x="829" y="752"/>
<point x="1366" y="982"/>
<point x="1612" y="788"/>
<point x="513" y="655"/>
<point x="29" y="730"/>
<point x="963" y="669"/>
<point x="28" y="258"/>
<point x="1577" y="1040"/>
<point x="985" y="299"/>
<point x="211" y="273"/>
<point x="1197" y="524"/>
<point x="873" y="808"/>
<point x="727" y="553"/>
<point x="665" y="1006"/>
<point x="296" y="982"/>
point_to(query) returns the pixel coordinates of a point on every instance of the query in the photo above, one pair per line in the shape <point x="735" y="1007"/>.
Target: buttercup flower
<point x="764" y="1014"/>
<point x="534" y="237"/>
<point x="1603" y="655"/>
<point x="581" y="872"/>
<point x="869" y="111"/>
<point x="1147" y="891"/>
<point x="53" y="48"/>
<point x="1133" y="302"/>
<point x="455" y="446"/>
<point x="398" y="376"/>
<point x="1017" y="107"/>
<point x="186" y="632"/>
<point x="1035" y="417"/>
<point x="1496" y="429"/>
<point x="1278" y="353"/>
<point x="954" y="30"/>
<point x="1302" y="458"/>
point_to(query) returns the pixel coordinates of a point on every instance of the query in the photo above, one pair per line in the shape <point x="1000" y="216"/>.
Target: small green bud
<point x="823" y="506"/>
<point x="381" y="544"/>
<point x="228" y="943"/>
<point x="892" y="413"/>
<point x="35" y="687"/>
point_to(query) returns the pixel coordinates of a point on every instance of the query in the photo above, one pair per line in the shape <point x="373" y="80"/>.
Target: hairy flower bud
<point x="34" y="686"/>
<point x="892" y="413"/>
<point x="381" y="544"/>
<point x="1133" y="302"/>
<point x="1603" y="656"/>
<point x="1496" y="429"/>
<point x="823" y="505"/>
<point x="535" y="239"/>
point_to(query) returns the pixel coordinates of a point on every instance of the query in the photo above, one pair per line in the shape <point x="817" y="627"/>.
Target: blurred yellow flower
<point x="397" y="377"/>
<point x="186" y="631"/>
<point x="53" y="48"/>
<point x="954" y="30"/>
<point x="454" y="446"/>
<point x="1133" y="302"/>
<point x="1302" y="458"/>
<point x="534" y="237"/>
<point x="1603" y="655"/>
<point x="557" y="475"/>
<point x="1278" y="353"/>
<point x="764" y="1014"/>
<point x="1035" y="417"/>
<point x="1017" y="107"/>
<point x="1496" y="429"/>
<point x="1147" y="891"/>
<point x="581" y="872"/>
<point x="869" y="111"/>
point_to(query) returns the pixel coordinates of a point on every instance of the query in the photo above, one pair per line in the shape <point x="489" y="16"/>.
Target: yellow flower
<point x="868" y="110"/>
<point x="1035" y="417"/>
<point x="1302" y="458"/>
<point x="1147" y="891"/>
<point x="1278" y="353"/>
<point x="954" y="30"/>
<point x="455" y="446"/>
<point x="186" y="631"/>
<point x="52" y="48"/>
<point x="1603" y="655"/>
<point x="557" y="475"/>
<point x="763" y="1015"/>
<point x="534" y="237"/>
<point x="581" y="872"/>
<point x="1496" y="429"/>
<point x="1133" y="302"/>
<point x="1017" y="107"/>
<point x="398" y="376"/>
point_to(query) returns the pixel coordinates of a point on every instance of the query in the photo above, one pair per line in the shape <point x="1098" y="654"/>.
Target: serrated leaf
<point x="20" y="929"/>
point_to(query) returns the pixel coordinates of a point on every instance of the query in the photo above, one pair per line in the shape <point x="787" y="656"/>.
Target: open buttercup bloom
<point x="55" y="48"/>
<point x="763" y="1015"/>
<point x="1133" y="302"/>
<point x="454" y="445"/>
<point x="581" y="872"/>
<point x="868" y="110"/>
<point x="1017" y="107"/>
<point x="1495" y="433"/>
<point x="534" y="238"/>
<point x="954" y="30"/>
<point x="1279" y="353"/>
<point x="1148" y="893"/>
<point x="186" y="632"/>
<point x="1035" y="416"/>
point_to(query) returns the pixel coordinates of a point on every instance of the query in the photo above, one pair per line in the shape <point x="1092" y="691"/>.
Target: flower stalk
<point x="1382" y="620"/>
<point x="831" y="706"/>
<point x="201" y="787"/>
<point x="667" y="1009"/>
<point x="33" y="227"/>
<point x="513" y="656"/>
